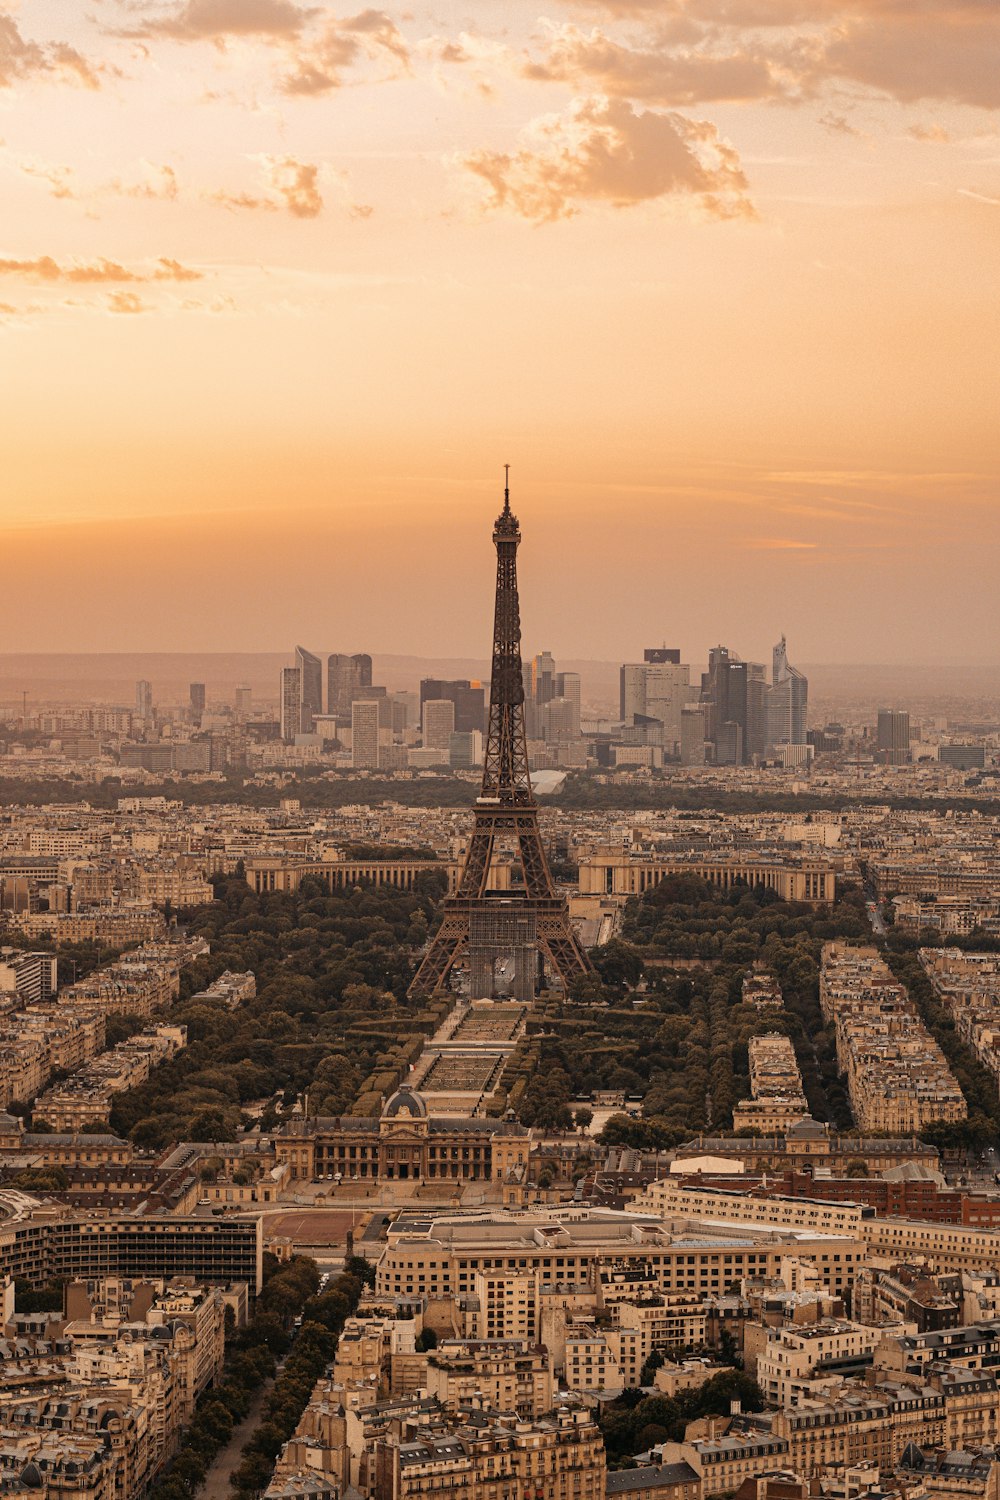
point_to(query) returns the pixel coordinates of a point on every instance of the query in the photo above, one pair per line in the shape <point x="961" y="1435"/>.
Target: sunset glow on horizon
<point x="283" y="286"/>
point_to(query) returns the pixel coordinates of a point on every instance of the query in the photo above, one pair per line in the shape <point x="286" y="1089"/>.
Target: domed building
<point x="404" y="1144"/>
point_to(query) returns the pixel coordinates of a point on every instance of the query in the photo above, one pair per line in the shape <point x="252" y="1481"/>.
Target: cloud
<point x="905" y="49"/>
<point x="159" y="182"/>
<point x="172" y="270"/>
<point x="655" y="72"/>
<point x="605" y="151"/>
<point x="778" y="544"/>
<point x="838" y="124"/>
<point x="979" y="197"/>
<point x="294" y="186"/>
<point x="322" y="47"/>
<point x="217" y="20"/>
<point x="291" y="185"/>
<point x="58" y="178"/>
<point x="468" y="60"/>
<point x="127" y="302"/>
<point x="947" y="51"/>
<point x="45" y="268"/>
<point x="932" y="133"/>
<point x="320" y="65"/>
<point x="21" y="59"/>
<point x="297" y="182"/>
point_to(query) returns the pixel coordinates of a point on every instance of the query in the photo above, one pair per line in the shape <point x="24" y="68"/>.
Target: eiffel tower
<point x="505" y="806"/>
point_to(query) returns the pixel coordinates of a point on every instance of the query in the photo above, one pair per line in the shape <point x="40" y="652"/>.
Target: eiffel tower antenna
<point x="506" y="804"/>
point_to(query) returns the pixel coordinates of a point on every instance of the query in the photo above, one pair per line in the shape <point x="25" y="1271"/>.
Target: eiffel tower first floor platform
<point x="462" y="927"/>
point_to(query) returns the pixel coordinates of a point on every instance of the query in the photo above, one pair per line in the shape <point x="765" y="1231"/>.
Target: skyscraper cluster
<point x="733" y="718"/>
<point x="551" y="701"/>
<point x="301" y="704"/>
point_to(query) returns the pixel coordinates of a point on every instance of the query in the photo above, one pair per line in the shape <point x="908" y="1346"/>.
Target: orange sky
<point x="283" y="285"/>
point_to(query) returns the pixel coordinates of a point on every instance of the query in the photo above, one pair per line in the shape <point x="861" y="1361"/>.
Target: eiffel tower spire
<point x="506" y="804"/>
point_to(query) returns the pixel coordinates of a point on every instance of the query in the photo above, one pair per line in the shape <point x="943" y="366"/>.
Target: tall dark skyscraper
<point x="345" y="675"/>
<point x="469" y="699"/>
<point x="734" y="694"/>
<point x="893" y="736"/>
<point x="197" y="696"/>
<point x="310" y="688"/>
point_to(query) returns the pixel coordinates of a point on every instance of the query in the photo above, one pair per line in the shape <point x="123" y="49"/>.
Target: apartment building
<point x="720" y="1205"/>
<point x="969" y="984"/>
<point x="85" y="1098"/>
<point x="112" y="929"/>
<point x="861" y="1423"/>
<point x="232" y="989"/>
<point x="33" y="976"/>
<point x="510" y="1375"/>
<point x="792" y="1361"/>
<point x="127" y="1363"/>
<point x="489" y="1455"/>
<point x="443" y="1256"/>
<point x="45" y="1243"/>
<point x="897" y="1076"/>
<point x="776" y="1094"/>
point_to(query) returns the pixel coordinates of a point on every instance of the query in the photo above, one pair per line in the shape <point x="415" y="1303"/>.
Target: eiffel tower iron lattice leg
<point x="505" y="807"/>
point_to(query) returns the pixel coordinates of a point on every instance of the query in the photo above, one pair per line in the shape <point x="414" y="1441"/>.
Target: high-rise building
<point x="196" y="693"/>
<point x="693" y="734"/>
<point x="379" y="695"/>
<point x="543" y="671"/>
<point x="439" y="725"/>
<point x="310" y="670"/>
<point x="469" y="699"/>
<point x="244" y="701"/>
<point x="364" y="734"/>
<point x="556" y="721"/>
<point x="787" y="701"/>
<point x="734" y="692"/>
<point x="144" y="699"/>
<point x="465" y="750"/>
<point x="655" y="691"/>
<point x="567" y="685"/>
<point x="345" y="676"/>
<point x="893" y="736"/>
<point x="289" y="697"/>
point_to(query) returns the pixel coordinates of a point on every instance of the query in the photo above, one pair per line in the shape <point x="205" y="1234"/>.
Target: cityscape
<point x="453" y="1090"/>
<point x="500" y="961"/>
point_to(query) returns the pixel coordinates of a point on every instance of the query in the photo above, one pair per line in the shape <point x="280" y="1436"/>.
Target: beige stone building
<point x="560" y="1457"/>
<point x="897" y="1076"/>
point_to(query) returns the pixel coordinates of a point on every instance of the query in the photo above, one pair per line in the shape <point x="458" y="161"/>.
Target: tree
<point x="582" y="1118"/>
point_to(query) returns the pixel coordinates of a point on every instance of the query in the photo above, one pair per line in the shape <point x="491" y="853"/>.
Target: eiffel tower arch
<point x="506" y="808"/>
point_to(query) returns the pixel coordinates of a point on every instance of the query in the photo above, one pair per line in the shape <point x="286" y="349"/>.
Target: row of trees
<point x="251" y="1358"/>
<point x="323" y="1317"/>
<point x="317" y="788"/>
<point x="582" y="790"/>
